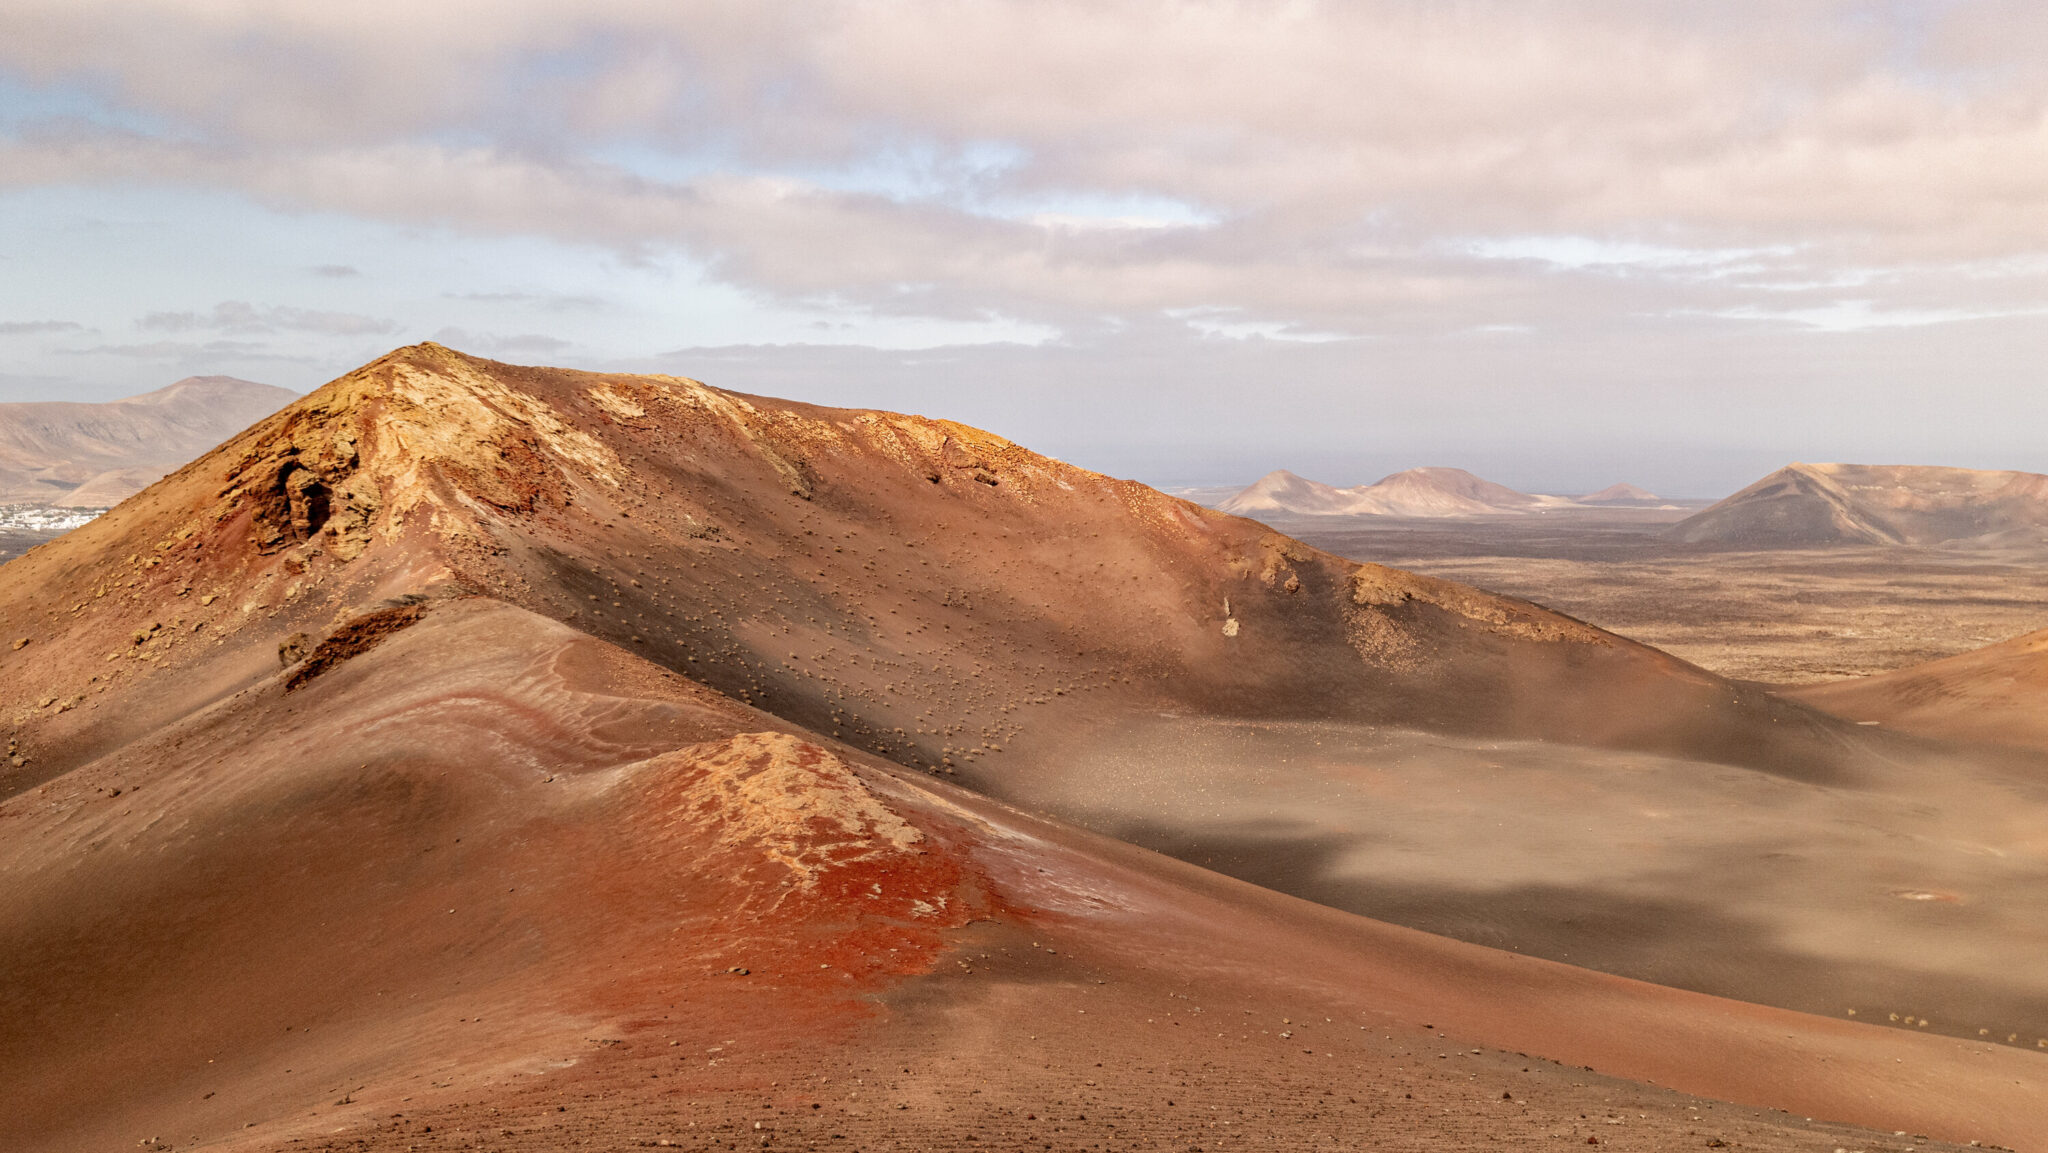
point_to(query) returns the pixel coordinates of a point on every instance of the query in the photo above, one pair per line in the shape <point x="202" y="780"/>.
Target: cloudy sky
<point x="1561" y="244"/>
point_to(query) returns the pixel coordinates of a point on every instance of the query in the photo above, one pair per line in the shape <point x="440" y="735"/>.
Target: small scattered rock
<point x="22" y="643"/>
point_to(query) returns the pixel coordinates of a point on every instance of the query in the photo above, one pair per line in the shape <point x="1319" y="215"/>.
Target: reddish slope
<point x="922" y="590"/>
<point x="403" y="537"/>
<point x="930" y="591"/>
<point x="475" y="844"/>
<point x="489" y="864"/>
<point x="1996" y="695"/>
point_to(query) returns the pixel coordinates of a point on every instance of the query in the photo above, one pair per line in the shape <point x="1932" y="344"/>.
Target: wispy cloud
<point x="37" y="327"/>
<point x="1483" y="205"/>
<point x="241" y="318"/>
<point x="1324" y="165"/>
<point x="191" y="352"/>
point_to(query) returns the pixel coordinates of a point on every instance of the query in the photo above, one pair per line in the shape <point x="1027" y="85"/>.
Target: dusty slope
<point x="96" y="455"/>
<point x="929" y="591"/>
<point x="1813" y="505"/>
<point x="1996" y="695"/>
<point x="489" y="880"/>
<point x="920" y="589"/>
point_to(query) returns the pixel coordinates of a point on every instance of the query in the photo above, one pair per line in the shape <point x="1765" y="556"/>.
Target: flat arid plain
<point x="472" y="755"/>
<point x="1780" y="615"/>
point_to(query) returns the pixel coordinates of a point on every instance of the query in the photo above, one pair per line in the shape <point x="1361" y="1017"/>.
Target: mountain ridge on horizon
<point x="1423" y="492"/>
<point x="1806" y="505"/>
<point x="86" y="454"/>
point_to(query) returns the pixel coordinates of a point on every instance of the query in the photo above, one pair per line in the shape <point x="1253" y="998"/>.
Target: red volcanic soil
<point x="552" y="758"/>
<point x="494" y="875"/>
<point x="1996" y="695"/>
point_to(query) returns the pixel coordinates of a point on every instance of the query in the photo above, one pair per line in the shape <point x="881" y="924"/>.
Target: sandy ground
<point x="1905" y="899"/>
<point x="1012" y="1048"/>
<point x="499" y="909"/>
<point x="1783" y="616"/>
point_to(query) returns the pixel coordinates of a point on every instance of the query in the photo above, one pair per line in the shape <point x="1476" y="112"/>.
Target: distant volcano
<point x="1415" y="492"/>
<point x="1623" y="495"/>
<point x="97" y="455"/>
<point x="1816" y="505"/>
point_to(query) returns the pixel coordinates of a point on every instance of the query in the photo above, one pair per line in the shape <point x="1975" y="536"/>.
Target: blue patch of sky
<point x="1906" y="30"/>
<point x="658" y="164"/>
<point x="183" y="251"/>
<point x="981" y="178"/>
<point x="25" y="104"/>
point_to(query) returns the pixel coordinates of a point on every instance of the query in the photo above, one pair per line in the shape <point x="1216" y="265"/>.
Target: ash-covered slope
<point x="928" y="591"/>
<point x="97" y="455"/>
<point x="1995" y="695"/>
<point x="492" y="882"/>
<point x="1415" y="492"/>
<point x="1817" y="505"/>
<point x="358" y="792"/>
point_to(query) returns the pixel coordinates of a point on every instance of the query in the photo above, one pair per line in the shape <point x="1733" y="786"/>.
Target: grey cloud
<point x="1341" y="165"/>
<point x="241" y="318"/>
<point x="170" y="321"/>
<point x="189" y="352"/>
<point x="802" y="243"/>
<point x="1551" y="116"/>
<point x="336" y="271"/>
<point x="37" y="327"/>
